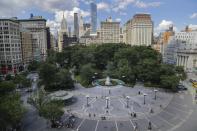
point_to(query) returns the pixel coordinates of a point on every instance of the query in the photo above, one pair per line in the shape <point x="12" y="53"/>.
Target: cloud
<point x="118" y="19"/>
<point x="103" y="6"/>
<point x="193" y="16"/>
<point x="141" y="4"/>
<point x="193" y="27"/>
<point x="164" y="25"/>
<point x="69" y="16"/>
<point x="121" y="4"/>
<point x="87" y="1"/>
<point x="15" y="7"/>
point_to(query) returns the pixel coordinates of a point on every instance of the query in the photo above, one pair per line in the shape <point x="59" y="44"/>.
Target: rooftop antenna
<point x="63" y="14"/>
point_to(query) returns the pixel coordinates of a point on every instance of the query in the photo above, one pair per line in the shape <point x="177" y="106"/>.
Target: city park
<point x="111" y="82"/>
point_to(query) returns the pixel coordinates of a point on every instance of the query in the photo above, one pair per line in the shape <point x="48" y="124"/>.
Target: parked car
<point x="181" y="88"/>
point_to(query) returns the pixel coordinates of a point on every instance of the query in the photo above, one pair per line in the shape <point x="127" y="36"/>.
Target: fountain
<point x="108" y="81"/>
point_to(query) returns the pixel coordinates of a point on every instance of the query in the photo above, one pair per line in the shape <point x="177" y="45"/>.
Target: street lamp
<point x="144" y="98"/>
<point x="123" y="76"/>
<point x="107" y="102"/>
<point x="93" y="79"/>
<point x="128" y="97"/>
<point x="155" y="93"/>
<point x="87" y="97"/>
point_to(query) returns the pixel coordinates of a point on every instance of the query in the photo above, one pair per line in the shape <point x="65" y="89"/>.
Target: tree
<point x="169" y="82"/>
<point x="38" y="99"/>
<point x="62" y="81"/>
<point x="110" y="68"/>
<point x="8" y="77"/>
<point x="6" y="87"/>
<point x="52" y="111"/>
<point x="33" y="66"/>
<point x="180" y="72"/>
<point x="47" y="73"/>
<point x="11" y="111"/>
<point x="125" y="72"/>
<point x="22" y="81"/>
<point x="87" y="73"/>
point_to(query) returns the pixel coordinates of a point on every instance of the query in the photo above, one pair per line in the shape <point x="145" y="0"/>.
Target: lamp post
<point x="155" y="93"/>
<point x="87" y="97"/>
<point x="107" y="102"/>
<point x="123" y="77"/>
<point x="127" y="101"/>
<point x="145" y="98"/>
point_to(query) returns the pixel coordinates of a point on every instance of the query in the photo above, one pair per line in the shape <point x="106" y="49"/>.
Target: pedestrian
<point x="134" y="115"/>
<point x="151" y="110"/>
<point x="94" y="115"/>
<point x="149" y="125"/>
<point x="139" y="93"/>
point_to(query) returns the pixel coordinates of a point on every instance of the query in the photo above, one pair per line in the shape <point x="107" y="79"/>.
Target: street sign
<point x="194" y="84"/>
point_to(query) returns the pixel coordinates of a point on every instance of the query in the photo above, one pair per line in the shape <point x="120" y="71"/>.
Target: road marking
<point x="80" y="124"/>
<point x="122" y="102"/>
<point x="166" y="121"/>
<point x="132" y="123"/>
<point x="185" y="106"/>
<point x="154" y="125"/>
<point x="96" y="125"/>
<point x="178" y="109"/>
<point x="171" y="114"/>
<point x="116" y="125"/>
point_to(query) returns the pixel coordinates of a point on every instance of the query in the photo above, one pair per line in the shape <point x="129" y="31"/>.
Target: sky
<point x="164" y="12"/>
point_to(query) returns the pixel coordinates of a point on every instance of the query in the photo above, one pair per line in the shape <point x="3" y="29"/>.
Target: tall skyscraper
<point x="63" y="31"/>
<point x="110" y="31"/>
<point x="76" y="25"/>
<point x="139" y="30"/>
<point x="81" y="29"/>
<point x="69" y="32"/>
<point x="93" y="8"/>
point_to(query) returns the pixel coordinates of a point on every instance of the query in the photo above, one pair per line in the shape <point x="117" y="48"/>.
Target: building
<point x="187" y="52"/>
<point x="10" y="46"/>
<point x="139" y="30"/>
<point x="37" y="26"/>
<point x="93" y="9"/>
<point x="69" y="32"/>
<point x="182" y="50"/>
<point x="76" y="25"/>
<point x="27" y="49"/>
<point x="170" y="51"/>
<point x="53" y="42"/>
<point x="69" y="41"/>
<point x="81" y="28"/>
<point x="63" y="31"/>
<point x="48" y="36"/>
<point x="110" y="31"/>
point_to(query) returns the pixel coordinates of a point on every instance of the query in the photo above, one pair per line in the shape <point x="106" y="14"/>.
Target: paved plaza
<point x="113" y="108"/>
<point x="169" y="110"/>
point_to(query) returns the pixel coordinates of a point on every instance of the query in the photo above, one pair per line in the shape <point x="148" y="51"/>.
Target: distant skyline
<point x="164" y="12"/>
